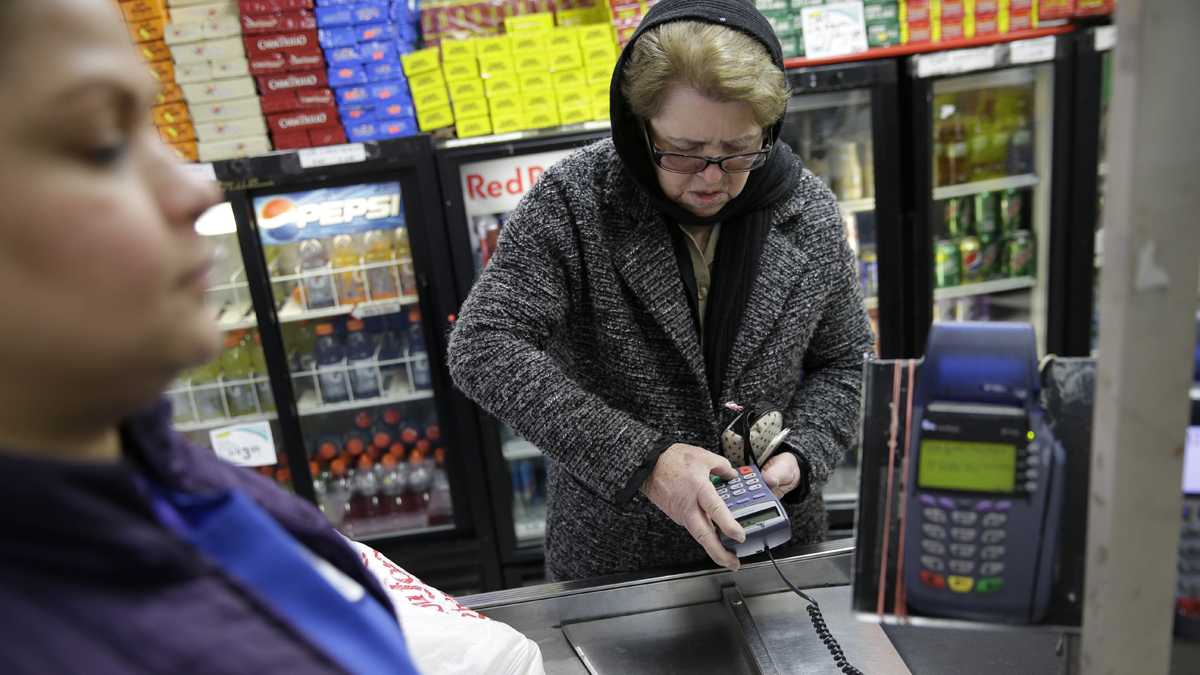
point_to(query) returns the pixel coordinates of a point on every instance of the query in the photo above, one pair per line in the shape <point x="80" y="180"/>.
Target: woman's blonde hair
<point x="721" y="63"/>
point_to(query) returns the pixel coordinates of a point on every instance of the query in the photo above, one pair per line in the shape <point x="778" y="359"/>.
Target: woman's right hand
<point x="680" y="487"/>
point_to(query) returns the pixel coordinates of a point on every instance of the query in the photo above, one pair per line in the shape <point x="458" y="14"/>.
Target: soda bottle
<point x="416" y="493"/>
<point x="346" y="259"/>
<point x="381" y="436"/>
<point x="381" y="281"/>
<point x="336" y="501"/>
<point x="416" y="348"/>
<point x="433" y="432"/>
<point x="952" y="166"/>
<point x="987" y="228"/>
<point x="390" y="486"/>
<point x="1020" y="142"/>
<point x="331" y="369"/>
<point x="404" y="258"/>
<point x="364" y="369"/>
<point x="327" y="449"/>
<point x="364" y="499"/>
<point x="409" y="435"/>
<point x="363" y="420"/>
<point x="259" y="363"/>
<point x="239" y="387"/>
<point x="441" y="508"/>
<point x="318" y="283"/>
<point x="356" y="444"/>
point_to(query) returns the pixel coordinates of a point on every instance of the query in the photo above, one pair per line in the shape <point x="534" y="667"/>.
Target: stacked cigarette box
<point x="943" y="20"/>
<point x="147" y="21"/>
<point x="363" y="43"/>
<point x="205" y="40"/>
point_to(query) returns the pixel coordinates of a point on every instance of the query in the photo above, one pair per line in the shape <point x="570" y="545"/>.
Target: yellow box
<point x="426" y="81"/>
<point x="437" y="117"/>
<point x="569" y="96"/>
<point x="600" y="72"/>
<point x="600" y="109"/>
<point x="431" y="98"/>
<point x="539" y="21"/>
<point x="541" y="118"/>
<point x="508" y="122"/>
<point x="542" y="80"/>
<point x="458" y="49"/>
<point x="565" y="59"/>
<point x="574" y="114"/>
<point x="596" y="33"/>
<point x="525" y="62"/>
<point x="497" y="86"/>
<point x="473" y="126"/>
<point x="569" y="78"/>
<point x="460" y="69"/>
<point x="575" y="17"/>
<point x="528" y="41"/>
<point x="420" y="61"/>
<point x="496" y="65"/>
<point x="465" y="89"/>
<point x="504" y="104"/>
<point x="599" y="52"/>
<point x="539" y="98"/>
<point x="563" y="38"/>
<point x="492" y="46"/>
<point x="467" y="108"/>
<point x="599" y="89"/>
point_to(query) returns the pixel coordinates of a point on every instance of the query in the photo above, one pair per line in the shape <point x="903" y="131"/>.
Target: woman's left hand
<point x="782" y="473"/>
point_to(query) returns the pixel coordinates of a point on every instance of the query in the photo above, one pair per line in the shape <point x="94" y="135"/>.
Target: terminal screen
<point x="1191" y="462"/>
<point x="758" y="517"/>
<point x="965" y="465"/>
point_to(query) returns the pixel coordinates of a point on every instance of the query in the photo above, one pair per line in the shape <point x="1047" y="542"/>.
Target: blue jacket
<point x="91" y="583"/>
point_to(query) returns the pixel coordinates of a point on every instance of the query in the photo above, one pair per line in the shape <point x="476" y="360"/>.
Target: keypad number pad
<point x="963" y="544"/>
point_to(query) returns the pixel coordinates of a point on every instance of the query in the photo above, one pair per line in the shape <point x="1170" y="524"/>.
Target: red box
<point x="916" y="10"/>
<point x="290" y="140"/>
<point x="303" y="79"/>
<point x="987" y="25"/>
<point x="1094" y="7"/>
<point x="315" y="98"/>
<point x="953" y="29"/>
<point x="985" y="7"/>
<point x="303" y="120"/>
<point x="289" y="22"/>
<point x="331" y="135"/>
<point x="953" y="9"/>
<point x="918" y="32"/>
<point x="1020" y="20"/>
<point x="272" y="6"/>
<point x="285" y="62"/>
<point x="290" y="100"/>
<point x="1014" y="5"/>
<point x="300" y="42"/>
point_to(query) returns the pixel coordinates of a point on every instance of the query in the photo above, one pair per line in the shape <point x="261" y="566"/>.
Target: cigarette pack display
<point x="171" y="113"/>
<point x="952" y="28"/>
<point x="186" y="151"/>
<point x="986" y="25"/>
<point x="255" y="7"/>
<point x="344" y="55"/>
<point x="305" y="79"/>
<point x="376" y="31"/>
<point x="148" y="30"/>
<point x="353" y="114"/>
<point x="286" y="22"/>
<point x="182" y="33"/>
<point x="221" y="27"/>
<point x="333" y="16"/>
<point x="565" y="59"/>
<point x="599" y="53"/>
<point x="327" y="136"/>
<point x="1023" y="19"/>
<point x="208" y="50"/>
<point x="498" y="65"/>
<point x="301" y="42"/>
<point x="379" y="52"/>
<point x="544" y="98"/>
<point x="354" y="95"/>
<point x="226" y="110"/>
<point x="426" y="81"/>
<point x="163" y="72"/>
<point x="465" y="88"/>
<point x="345" y="75"/>
<point x="291" y="140"/>
<point x="230" y="129"/>
<point x="570" y="96"/>
<point x="219" y="90"/>
<point x="507" y="122"/>
<point x="498" y="86"/>
<point x="386" y="92"/>
<point x="470" y="107"/>
<point x="154" y="51"/>
<point x="458" y="49"/>
<point x="574" y="114"/>
<point x="177" y="133"/>
<point x="303" y="119"/>
<point x="438" y="117"/>
<point x="243" y="147"/>
<point x="235" y="67"/>
<point x="395" y="110"/>
<point x="431" y="98"/>
<point x="141" y="10"/>
<point x="379" y="72"/>
<point x="952" y="9"/>
<point x="533" y="81"/>
<point x="370" y="12"/>
<point x="474" y="126"/>
<point x="505" y="104"/>
<point x="202" y="13"/>
<point x="423" y="61"/>
<point x="363" y="131"/>
<point x="336" y="37"/>
<point x="169" y="93"/>
<point x="190" y="73"/>
<point x="395" y="128"/>
<point x="986" y="7"/>
<point x="570" y="78"/>
<point x="524" y="62"/>
<point x="282" y="62"/>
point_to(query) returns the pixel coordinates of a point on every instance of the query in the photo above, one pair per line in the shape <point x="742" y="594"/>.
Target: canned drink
<point x="1020" y="254"/>
<point x="946" y="272"/>
<point x="1012" y="212"/>
<point x="971" y="254"/>
<point x="985" y="215"/>
<point x="868" y="273"/>
<point x="991" y="251"/>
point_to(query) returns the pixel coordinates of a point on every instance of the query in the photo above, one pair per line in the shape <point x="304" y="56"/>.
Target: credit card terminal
<point x="985" y="479"/>
<point x="756" y="509"/>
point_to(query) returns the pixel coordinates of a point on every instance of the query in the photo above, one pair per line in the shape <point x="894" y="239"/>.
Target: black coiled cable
<point x="819" y="625"/>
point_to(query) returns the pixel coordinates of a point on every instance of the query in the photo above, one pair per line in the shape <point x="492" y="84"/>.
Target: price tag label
<point x="203" y="171"/>
<point x="1032" y="51"/>
<point x="245" y="444"/>
<point x="834" y="29"/>
<point x="1106" y="38"/>
<point x="955" y="62"/>
<point x="377" y="308"/>
<point x="332" y="154"/>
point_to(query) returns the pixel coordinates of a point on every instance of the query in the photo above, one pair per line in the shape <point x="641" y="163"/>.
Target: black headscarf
<point x="745" y="218"/>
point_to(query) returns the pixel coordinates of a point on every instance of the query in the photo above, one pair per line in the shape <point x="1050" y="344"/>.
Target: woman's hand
<point x="681" y="488"/>
<point x="782" y="473"/>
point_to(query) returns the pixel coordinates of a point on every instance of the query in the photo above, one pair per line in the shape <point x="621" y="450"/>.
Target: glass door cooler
<point x="353" y="292"/>
<point x="987" y="199"/>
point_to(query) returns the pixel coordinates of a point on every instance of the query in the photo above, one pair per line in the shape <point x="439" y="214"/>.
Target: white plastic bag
<point x="445" y="638"/>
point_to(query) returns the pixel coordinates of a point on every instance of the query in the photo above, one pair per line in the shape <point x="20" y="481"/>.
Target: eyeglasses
<point x="690" y="164"/>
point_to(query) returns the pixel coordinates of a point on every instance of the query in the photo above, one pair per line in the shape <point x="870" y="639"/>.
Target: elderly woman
<point x="648" y="279"/>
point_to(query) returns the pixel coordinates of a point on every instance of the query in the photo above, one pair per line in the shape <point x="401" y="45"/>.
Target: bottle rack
<point x="395" y="382"/>
<point x="187" y="413"/>
<point x="292" y="291"/>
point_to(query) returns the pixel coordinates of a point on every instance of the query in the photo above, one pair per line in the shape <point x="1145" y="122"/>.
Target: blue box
<point x="355" y="114"/>
<point x="353" y="95"/>
<point x="372" y="12"/>
<point x="343" y="55"/>
<point x="407" y="33"/>
<point x="347" y="74"/>
<point x="372" y="32"/>
<point x="332" y="38"/>
<point x="332" y="17"/>
<point x="406" y="126"/>
<point x="389" y="92"/>
<point x="397" y="109"/>
<point x="383" y="51"/>
<point x="382" y="72"/>
<point x="401" y="13"/>
<point x="365" y="131"/>
<point x="337" y="3"/>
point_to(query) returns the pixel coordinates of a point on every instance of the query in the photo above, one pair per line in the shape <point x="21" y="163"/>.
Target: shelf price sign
<point x="834" y="29"/>
<point x="248" y="444"/>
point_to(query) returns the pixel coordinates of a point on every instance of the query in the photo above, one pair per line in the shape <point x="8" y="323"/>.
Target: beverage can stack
<point x="363" y="43"/>
<point x="205" y="41"/>
<point x="942" y="20"/>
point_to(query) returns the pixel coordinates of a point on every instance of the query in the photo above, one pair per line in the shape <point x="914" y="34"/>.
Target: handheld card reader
<point x="985" y="479"/>
<point x="756" y="509"/>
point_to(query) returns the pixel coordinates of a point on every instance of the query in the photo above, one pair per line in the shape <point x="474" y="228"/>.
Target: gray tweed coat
<point x="578" y="335"/>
